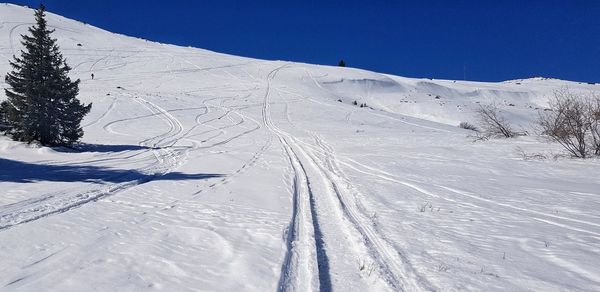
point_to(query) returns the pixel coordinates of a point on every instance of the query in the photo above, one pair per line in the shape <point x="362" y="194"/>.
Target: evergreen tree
<point x="342" y="63"/>
<point x="42" y="102"/>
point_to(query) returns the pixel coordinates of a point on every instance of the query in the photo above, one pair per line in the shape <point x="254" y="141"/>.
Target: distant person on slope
<point x="92" y="76"/>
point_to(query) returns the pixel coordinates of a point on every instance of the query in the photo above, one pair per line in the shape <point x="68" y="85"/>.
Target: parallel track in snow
<point x="305" y="266"/>
<point x="393" y="267"/>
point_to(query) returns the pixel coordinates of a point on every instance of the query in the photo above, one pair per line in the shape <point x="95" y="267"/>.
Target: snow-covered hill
<point x="205" y="171"/>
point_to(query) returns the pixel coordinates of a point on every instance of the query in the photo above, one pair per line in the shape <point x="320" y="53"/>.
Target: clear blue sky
<point x="494" y="40"/>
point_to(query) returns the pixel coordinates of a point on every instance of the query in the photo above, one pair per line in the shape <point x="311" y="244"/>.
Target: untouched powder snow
<point x="204" y="171"/>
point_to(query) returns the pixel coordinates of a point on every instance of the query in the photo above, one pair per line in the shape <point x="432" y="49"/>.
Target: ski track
<point x="246" y="165"/>
<point x="304" y="242"/>
<point x="394" y="267"/>
<point x="56" y="203"/>
<point x="474" y="198"/>
<point x="108" y="110"/>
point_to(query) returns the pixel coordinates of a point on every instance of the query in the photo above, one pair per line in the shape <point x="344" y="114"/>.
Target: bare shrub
<point x="468" y="126"/>
<point x="574" y="122"/>
<point x="530" y="156"/>
<point x="493" y="124"/>
<point x="594" y="112"/>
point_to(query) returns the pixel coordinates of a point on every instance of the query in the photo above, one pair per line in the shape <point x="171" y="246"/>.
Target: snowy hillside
<point x="205" y="171"/>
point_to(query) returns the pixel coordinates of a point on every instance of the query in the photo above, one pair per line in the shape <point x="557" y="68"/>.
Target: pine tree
<point x="42" y="102"/>
<point x="342" y="63"/>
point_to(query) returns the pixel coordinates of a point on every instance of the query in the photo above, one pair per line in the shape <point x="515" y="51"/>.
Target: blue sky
<point x="493" y="40"/>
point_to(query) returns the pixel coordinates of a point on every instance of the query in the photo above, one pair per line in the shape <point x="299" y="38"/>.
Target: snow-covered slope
<point x="204" y="171"/>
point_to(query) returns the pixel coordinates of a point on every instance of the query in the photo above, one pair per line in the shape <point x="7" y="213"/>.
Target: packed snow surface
<point x="205" y="171"/>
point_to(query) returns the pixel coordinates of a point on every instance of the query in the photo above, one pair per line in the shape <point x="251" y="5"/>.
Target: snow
<point x="205" y="171"/>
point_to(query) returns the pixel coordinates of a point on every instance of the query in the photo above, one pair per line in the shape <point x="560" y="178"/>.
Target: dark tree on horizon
<point x="341" y="63"/>
<point x="42" y="102"/>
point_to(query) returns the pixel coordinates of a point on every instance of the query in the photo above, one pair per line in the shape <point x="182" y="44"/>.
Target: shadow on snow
<point x="100" y="148"/>
<point x="23" y="172"/>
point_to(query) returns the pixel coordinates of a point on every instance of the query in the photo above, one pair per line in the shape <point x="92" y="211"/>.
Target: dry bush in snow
<point x="493" y="124"/>
<point x="594" y="107"/>
<point x="468" y="126"/>
<point x="574" y="122"/>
